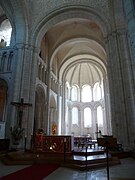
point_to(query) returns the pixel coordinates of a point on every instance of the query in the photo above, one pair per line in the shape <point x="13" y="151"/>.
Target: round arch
<point x="82" y="40"/>
<point x="39" y="117"/>
<point x="69" y="13"/>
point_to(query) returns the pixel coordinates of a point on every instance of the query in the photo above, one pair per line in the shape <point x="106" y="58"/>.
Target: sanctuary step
<point x="96" y="158"/>
<point x="91" y="164"/>
<point x="89" y="152"/>
<point x="93" y="158"/>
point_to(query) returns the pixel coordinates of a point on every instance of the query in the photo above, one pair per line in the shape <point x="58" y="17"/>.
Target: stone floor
<point x="124" y="171"/>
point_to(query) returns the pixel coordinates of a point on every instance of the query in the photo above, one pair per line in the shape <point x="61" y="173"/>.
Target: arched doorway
<point x="3" y="101"/>
<point x="40" y="109"/>
<point x="53" y="121"/>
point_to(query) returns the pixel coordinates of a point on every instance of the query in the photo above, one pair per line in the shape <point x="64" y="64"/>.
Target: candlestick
<point x="96" y="127"/>
<point x="31" y="141"/>
<point x="25" y="141"/>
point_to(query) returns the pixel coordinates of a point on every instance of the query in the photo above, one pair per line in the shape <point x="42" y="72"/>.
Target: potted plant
<point x="16" y="134"/>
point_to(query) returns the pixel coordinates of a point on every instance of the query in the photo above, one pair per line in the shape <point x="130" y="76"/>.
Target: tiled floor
<point x="5" y="170"/>
<point x="124" y="171"/>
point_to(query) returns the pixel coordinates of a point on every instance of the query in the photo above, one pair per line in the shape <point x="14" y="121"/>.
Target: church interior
<point x="67" y="83"/>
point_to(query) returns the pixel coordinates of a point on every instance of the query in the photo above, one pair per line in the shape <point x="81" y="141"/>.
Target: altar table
<point x="54" y="143"/>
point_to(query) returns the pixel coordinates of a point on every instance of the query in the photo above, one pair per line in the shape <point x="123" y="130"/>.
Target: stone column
<point x="130" y="16"/>
<point x="63" y="107"/>
<point x="106" y="109"/>
<point x="25" y="72"/>
<point x="94" y="122"/>
<point x="48" y="99"/>
<point x="81" y="122"/>
<point x="121" y="93"/>
<point x="70" y="119"/>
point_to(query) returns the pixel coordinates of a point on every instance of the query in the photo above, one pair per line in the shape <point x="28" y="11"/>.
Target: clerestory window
<point x="86" y="93"/>
<point x="74" y="93"/>
<point x="97" y="92"/>
<point x="5" y="33"/>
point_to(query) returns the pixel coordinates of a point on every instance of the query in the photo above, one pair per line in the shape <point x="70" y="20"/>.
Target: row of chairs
<point x="83" y="141"/>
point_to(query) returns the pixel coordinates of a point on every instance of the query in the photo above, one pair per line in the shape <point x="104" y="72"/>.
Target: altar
<point x="54" y="143"/>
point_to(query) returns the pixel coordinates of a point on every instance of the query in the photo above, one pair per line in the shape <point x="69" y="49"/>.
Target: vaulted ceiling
<point x="76" y="48"/>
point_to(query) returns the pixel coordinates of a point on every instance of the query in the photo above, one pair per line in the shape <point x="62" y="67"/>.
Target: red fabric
<point x="39" y="141"/>
<point x="34" y="172"/>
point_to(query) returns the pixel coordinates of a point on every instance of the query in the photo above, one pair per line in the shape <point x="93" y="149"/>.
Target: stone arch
<point x="40" y="108"/>
<point x="3" y="106"/>
<point x="3" y="98"/>
<point x="69" y="13"/>
<point x="53" y="121"/>
<point x="84" y="39"/>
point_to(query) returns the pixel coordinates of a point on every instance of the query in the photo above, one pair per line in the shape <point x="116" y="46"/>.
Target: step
<point x="91" y="165"/>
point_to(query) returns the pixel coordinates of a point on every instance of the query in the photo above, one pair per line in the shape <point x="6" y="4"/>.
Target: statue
<point x="54" y="128"/>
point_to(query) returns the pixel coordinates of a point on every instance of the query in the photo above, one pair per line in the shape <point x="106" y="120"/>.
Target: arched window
<point x="5" y="33"/>
<point x="86" y="93"/>
<point x="74" y="93"/>
<point x="100" y="116"/>
<point x="75" y="115"/>
<point x="97" y="92"/>
<point x="87" y="117"/>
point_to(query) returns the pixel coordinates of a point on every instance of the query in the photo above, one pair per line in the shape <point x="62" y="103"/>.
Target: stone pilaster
<point x="120" y="85"/>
